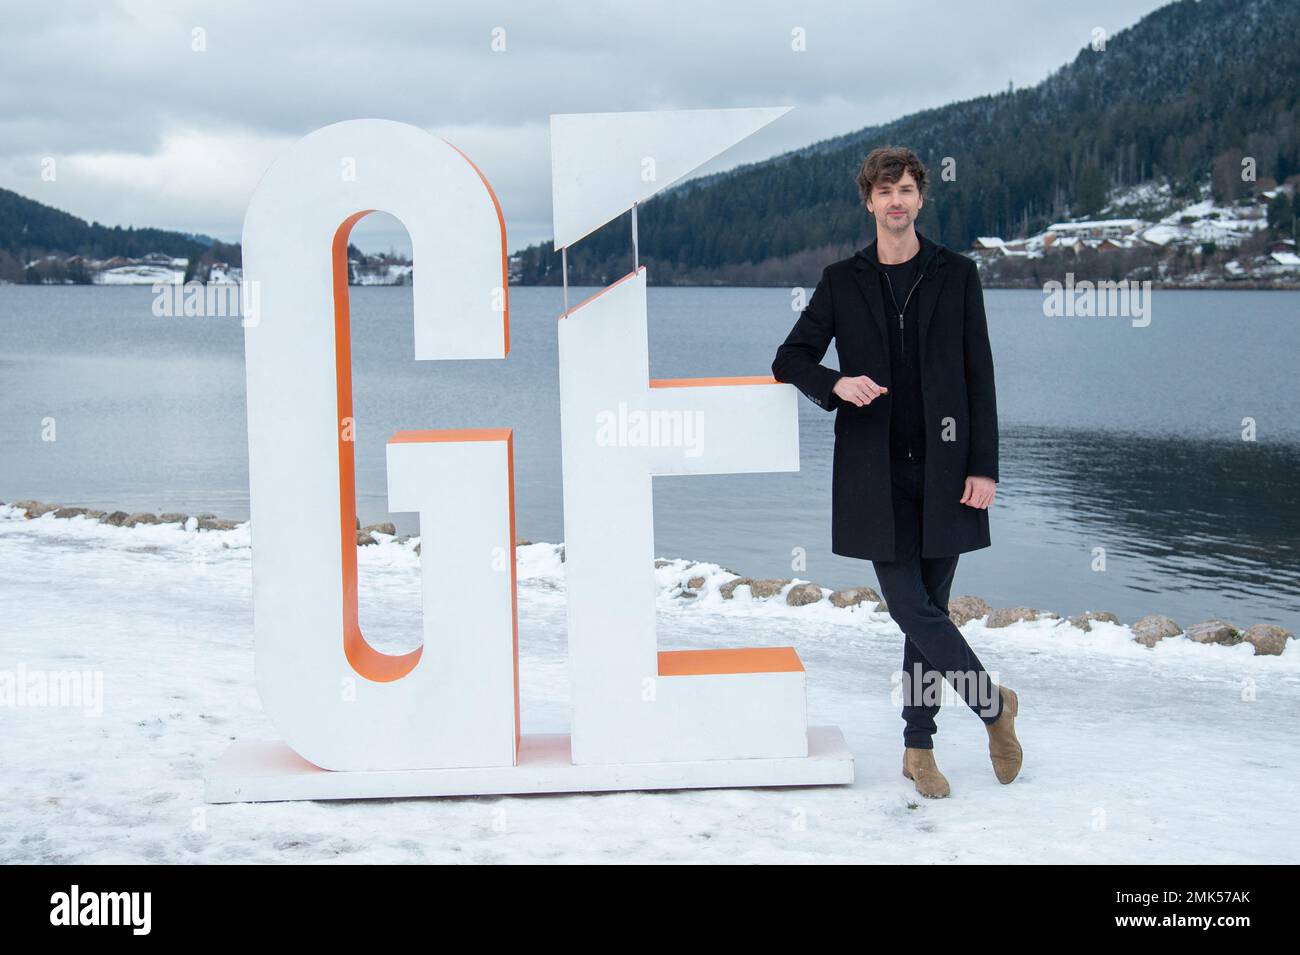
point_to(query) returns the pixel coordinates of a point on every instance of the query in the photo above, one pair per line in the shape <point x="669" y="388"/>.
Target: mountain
<point x="30" y="230"/>
<point x="1176" y="100"/>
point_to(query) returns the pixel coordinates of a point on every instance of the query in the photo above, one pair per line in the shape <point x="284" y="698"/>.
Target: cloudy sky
<point x="144" y="129"/>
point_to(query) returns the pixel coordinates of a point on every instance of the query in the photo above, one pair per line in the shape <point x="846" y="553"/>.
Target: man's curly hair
<point x="887" y="164"/>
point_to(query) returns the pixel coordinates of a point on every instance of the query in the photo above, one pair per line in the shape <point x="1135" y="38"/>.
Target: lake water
<point x="1112" y="436"/>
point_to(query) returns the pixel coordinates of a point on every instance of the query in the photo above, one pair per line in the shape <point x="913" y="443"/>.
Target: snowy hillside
<point x="1149" y="235"/>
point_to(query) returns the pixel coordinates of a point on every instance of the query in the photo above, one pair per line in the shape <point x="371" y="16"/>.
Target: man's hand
<point x="860" y="390"/>
<point x="979" y="491"/>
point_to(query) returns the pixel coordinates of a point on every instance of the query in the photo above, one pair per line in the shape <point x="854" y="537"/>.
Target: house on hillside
<point x="1097" y="228"/>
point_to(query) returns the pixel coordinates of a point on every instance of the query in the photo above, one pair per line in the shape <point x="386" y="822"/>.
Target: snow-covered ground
<point x="1181" y="753"/>
<point x="384" y="274"/>
<point x="1162" y="224"/>
<point x="1205" y="221"/>
<point x="141" y="275"/>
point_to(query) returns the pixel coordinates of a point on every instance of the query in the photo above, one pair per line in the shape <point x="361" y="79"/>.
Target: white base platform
<point x="262" y="771"/>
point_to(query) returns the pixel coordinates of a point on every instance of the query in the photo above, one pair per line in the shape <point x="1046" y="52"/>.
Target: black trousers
<point x="916" y="590"/>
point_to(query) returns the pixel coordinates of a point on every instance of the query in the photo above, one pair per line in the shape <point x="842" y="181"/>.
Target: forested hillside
<point x="1180" y="97"/>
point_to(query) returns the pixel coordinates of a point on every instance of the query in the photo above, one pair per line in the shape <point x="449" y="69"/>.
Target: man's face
<point x="895" y="204"/>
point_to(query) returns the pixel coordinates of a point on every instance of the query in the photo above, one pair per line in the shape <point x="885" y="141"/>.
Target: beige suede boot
<point x="1004" y="749"/>
<point x="919" y="766"/>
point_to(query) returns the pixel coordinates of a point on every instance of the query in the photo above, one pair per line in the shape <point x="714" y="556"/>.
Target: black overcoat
<point x="961" y="418"/>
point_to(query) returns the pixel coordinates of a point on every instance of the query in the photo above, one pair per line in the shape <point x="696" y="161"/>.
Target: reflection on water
<point x="1217" y="519"/>
<point x="1192" y="529"/>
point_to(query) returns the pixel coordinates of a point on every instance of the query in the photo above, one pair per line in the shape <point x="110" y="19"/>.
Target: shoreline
<point x="1267" y="639"/>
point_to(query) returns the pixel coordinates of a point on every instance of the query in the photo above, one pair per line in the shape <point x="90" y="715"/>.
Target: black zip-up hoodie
<point x="906" y="404"/>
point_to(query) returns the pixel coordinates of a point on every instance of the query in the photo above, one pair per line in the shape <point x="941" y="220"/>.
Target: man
<point x="916" y="443"/>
